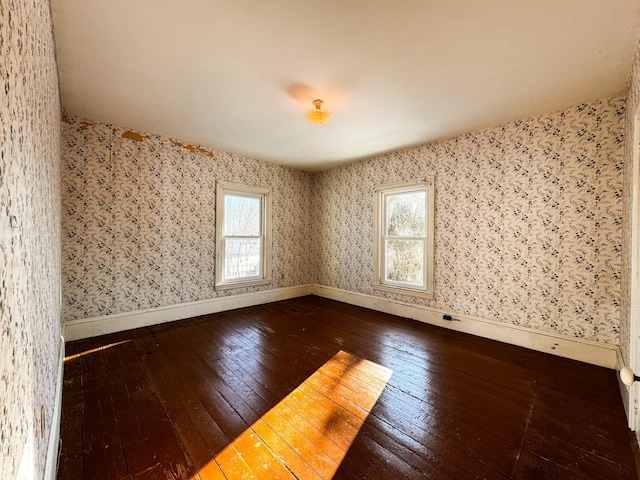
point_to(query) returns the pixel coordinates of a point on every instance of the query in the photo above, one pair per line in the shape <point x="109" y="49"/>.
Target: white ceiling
<point x="239" y="75"/>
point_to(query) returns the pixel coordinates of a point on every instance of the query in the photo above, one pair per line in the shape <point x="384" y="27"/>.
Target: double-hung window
<point x="404" y="236"/>
<point x="243" y="236"/>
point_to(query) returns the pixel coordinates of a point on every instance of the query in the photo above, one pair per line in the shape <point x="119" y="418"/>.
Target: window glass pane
<point x="405" y="214"/>
<point x="242" y="258"/>
<point x="241" y="215"/>
<point x="404" y="261"/>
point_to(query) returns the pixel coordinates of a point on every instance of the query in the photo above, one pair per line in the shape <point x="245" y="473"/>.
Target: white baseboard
<point x="587" y="351"/>
<point x="95" y="326"/>
<point x="53" y="442"/>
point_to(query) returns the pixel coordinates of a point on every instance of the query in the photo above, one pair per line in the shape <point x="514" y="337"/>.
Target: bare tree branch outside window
<point x="405" y="237"/>
<point x="243" y="231"/>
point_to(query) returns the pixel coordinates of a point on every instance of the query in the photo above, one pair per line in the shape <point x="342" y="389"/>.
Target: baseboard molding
<point x="587" y="351"/>
<point x="95" y="326"/>
<point x="53" y="442"/>
<point x="596" y="353"/>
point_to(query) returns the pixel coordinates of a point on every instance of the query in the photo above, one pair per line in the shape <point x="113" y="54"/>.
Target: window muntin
<point x="404" y="238"/>
<point x="243" y="227"/>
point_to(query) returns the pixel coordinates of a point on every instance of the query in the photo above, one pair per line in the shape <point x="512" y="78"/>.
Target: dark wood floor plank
<point x="195" y="446"/>
<point x="561" y="423"/>
<point x="433" y="458"/>
<point x="281" y="376"/>
<point x="102" y="449"/>
<point x="532" y="467"/>
<point x="171" y="371"/>
<point x="221" y="372"/>
<point x="463" y="436"/>
<point x="294" y="389"/>
<point x="157" y="450"/>
<point x="70" y="462"/>
<point x="232" y="389"/>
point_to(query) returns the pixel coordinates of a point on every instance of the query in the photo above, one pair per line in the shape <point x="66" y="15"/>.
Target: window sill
<point x="404" y="291"/>
<point x="243" y="284"/>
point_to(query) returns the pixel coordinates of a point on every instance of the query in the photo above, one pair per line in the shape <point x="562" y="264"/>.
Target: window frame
<point x="427" y="185"/>
<point x="264" y="194"/>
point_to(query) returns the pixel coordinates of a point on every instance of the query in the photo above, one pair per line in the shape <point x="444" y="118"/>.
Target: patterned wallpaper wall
<point x="633" y="101"/>
<point x="528" y="220"/>
<point x="30" y="326"/>
<point x="139" y="219"/>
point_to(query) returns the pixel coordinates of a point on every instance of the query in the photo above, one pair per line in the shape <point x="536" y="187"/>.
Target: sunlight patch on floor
<point x="308" y="433"/>
<point x="94" y="350"/>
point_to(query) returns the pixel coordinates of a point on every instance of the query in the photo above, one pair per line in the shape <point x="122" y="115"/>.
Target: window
<point x="243" y="236"/>
<point x="403" y="250"/>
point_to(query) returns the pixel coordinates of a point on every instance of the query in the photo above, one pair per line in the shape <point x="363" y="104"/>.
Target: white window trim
<point x="379" y="226"/>
<point x="223" y="188"/>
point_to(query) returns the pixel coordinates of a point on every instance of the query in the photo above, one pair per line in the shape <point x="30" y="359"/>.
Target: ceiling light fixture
<point x="318" y="116"/>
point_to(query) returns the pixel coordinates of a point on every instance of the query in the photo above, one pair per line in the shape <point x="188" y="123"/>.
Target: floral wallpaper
<point x="528" y="222"/>
<point x="633" y="101"/>
<point x="138" y="221"/>
<point x="30" y="325"/>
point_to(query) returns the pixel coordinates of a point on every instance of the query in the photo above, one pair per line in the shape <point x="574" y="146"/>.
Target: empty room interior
<point x="315" y="240"/>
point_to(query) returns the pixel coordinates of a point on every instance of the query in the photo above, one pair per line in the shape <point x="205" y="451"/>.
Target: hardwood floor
<point x="310" y="388"/>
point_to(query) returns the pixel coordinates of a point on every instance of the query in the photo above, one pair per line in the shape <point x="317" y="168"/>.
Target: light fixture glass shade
<point x="318" y="116"/>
